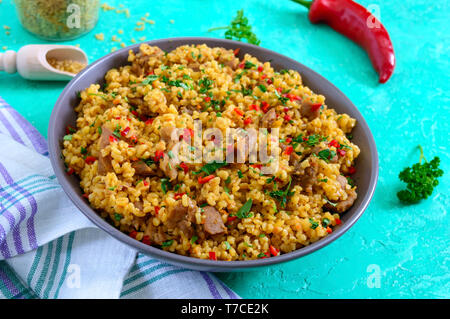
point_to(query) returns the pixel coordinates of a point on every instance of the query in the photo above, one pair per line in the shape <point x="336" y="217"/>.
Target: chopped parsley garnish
<point x="165" y="185"/>
<point x="116" y="132"/>
<point x="211" y="167"/>
<point x="239" y="29"/>
<point x="150" y="79"/>
<point x="282" y="196"/>
<point x="194" y="239"/>
<point x="117" y="217"/>
<point x="205" y="85"/>
<point x="167" y="243"/>
<point x="325" y="222"/>
<point x="314" y="224"/>
<point x="83" y="150"/>
<point x="314" y="139"/>
<point x="420" y="178"/>
<point x="227" y="244"/>
<point x="244" y="211"/>
<point x="281" y="98"/>
<point x="326" y="155"/>
<point x="240" y="174"/>
<point x="262" y="87"/>
<point x="248" y="65"/>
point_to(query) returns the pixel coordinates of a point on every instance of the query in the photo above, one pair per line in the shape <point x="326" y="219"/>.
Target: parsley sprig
<point x="239" y="29"/>
<point x="420" y="178"/>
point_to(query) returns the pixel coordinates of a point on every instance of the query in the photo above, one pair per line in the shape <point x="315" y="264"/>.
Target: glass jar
<point x="58" y="19"/>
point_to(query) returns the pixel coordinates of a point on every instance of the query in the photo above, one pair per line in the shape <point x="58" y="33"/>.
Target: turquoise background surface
<point x="407" y="247"/>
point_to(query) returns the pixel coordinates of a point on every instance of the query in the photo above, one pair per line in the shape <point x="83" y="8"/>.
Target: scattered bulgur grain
<point x="5" y="48"/>
<point x="123" y="45"/>
<point x="100" y="36"/>
<point x="120" y="31"/>
<point x="172" y="21"/>
<point x="133" y="40"/>
<point x="6" y="27"/>
<point x="140" y="28"/>
<point x="107" y="7"/>
<point x="142" y="38"/>
<point x="113" y="49"/>
<point x="115" y="39"/>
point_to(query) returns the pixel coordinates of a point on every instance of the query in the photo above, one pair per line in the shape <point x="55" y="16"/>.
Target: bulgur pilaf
<point x="122" y="150"/>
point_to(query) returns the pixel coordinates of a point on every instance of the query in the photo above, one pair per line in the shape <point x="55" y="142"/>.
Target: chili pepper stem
<point x="306" y="4"/>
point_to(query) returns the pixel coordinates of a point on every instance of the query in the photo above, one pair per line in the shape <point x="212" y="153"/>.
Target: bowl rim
<point x="193" y="262"/>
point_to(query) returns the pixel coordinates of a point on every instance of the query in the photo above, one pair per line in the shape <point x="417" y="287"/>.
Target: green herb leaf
<point x="67" y="137"/>
<point x="239" y="29"/>
<point x="167" y="243"/>
<point x="314" y="224"/>
<point x="243" y="212"/>
<point x="420" y="178"/>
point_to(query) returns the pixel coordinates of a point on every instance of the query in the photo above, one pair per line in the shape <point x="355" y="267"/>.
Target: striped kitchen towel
<point x="48" y="249"/>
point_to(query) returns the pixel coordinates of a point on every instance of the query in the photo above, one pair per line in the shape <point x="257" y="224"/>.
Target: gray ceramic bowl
<point x="367" y="163"/>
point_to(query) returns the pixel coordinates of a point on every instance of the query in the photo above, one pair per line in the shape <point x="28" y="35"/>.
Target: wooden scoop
<point x="32" y="61"/>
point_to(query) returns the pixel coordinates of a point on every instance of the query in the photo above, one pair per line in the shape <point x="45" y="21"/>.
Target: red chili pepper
<point x="158" y="155"/>
<point x="133" y="234"/>
<point x="236" y="51"/>
<point x="357" y="23"/>
<point x="238" y="111"/>
<point x="206" y="179"/>
<point x="329" y="230"/>
<point x="256" y="166"/>
<point x="231" y="218"/>
<point x="242" y="65"/>
<point x="247" y="121"/>
<point x="184" y="167"/>
<point x="253" y="107"/>
<point x="260" y="68"/>
<point x="341" y="152"/>
<point x="265" y="106"/>
<point x="112" y="139"/>
<point x="125" y="131"/>
<point x="288" y="150"/>
<point x="178" y="195"/>
<point x="146" y="240"/>
<point x="135" y="113"/>
<point x="315" y="106"/>
<point x="338" y="221"/>
<point x="157" y="208"/>
<point x="287" y="118"/>
<point x="273" y="250"/>
<point x="149" y="121"/>
<point x="289" y="140"/>
<point x="212" y="255"/>
<point x="207" y="99"/>
<point x="90" y="159"/>
<point x="334" y="143"/>
<point x="70" y="171"/>
<point x="351" y="170"/>
<point x="263" y="76"/>
<point x="145" y="183"/>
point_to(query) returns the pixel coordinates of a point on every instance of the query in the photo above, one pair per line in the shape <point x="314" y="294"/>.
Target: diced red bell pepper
<point x="265" y="106"/>
<point x="231" y="218"/>
<point x="158" y="155"/>
<point x="212" y="255"/>
<point x="112" y="139"/>
<point x="125" y="131"/>
<point x="260" y="68"/>
<point x="133" y="234"/>
<point x="316" y="106"/>
<point x="334" y="143"/>
<point x="238" y="111"/>
<point x="157" y="208"/>
<point x="70" y="171"/>
<point x="288" y="150"/>
<point x="351" y="170"/>
<point x="178" y="195"/>
<point x="273" y="250"/>
<point x="146" y="240"/>
<point x="341" y="152"/>
<point x="204" y="180"/>
<point x="248" y="121"/>
<point x="184" y="167"/>
<point x="90" y="160"/>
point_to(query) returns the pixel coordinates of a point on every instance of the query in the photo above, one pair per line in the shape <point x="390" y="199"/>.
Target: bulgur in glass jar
<point x="58" y="19"/>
